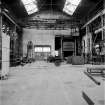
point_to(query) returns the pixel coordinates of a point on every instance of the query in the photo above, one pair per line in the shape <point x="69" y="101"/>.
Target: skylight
<point x="70" y="6"/>
<point x="30" y="6"/>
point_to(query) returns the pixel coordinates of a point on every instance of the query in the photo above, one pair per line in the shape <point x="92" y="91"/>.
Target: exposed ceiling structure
<point x="74" y="8"/>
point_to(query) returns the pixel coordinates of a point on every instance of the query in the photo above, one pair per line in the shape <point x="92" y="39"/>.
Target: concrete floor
<point x="42" y="83"/>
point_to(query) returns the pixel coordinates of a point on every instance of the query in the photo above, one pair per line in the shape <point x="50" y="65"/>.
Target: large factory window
<point x="42" y="52"/>
<point x="42" y="49"/>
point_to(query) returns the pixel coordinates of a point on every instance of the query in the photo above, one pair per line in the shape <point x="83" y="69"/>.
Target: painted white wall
<point x="38" y="37"/>
<point x="41" y="37"/>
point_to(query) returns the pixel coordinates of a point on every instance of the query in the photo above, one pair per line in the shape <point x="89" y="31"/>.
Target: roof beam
<point x="95" y="17"/>
<point x="10" y="19"/>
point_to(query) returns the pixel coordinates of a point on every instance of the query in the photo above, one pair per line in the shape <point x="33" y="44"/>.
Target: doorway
<point x="68" y="46"/>
<point x="58" y="46"/>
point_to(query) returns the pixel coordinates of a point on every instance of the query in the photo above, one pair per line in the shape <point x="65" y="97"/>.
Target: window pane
<point x="70" y="6"/>
<point x="38" y="49"/>
<point x="28" y="1"/>
<point x="67" y="11"/>
<point x="46" y="49"/>
<point x="30" y="7"/>
<point x="32" y="11"/>
<point x="75" y="2"/>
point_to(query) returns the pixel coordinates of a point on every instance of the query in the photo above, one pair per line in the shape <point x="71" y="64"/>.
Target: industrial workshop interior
<point x="52" y="52"/>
